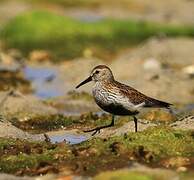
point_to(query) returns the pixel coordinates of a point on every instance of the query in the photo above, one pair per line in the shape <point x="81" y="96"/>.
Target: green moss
<point x="44" y="123"/>
<point x="67" y="37"/>
<point x="96" y="155"/>
<point x="58" y="121"/>
<point x="13" y="163"/>
<point x="18" y="155"/>
<point x="160" y="141"/>
<point x="5" y="142"/>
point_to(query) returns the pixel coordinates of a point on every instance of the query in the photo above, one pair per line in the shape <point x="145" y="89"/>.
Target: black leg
<point x="97" y="130"/>
<point x="135" y="121"/>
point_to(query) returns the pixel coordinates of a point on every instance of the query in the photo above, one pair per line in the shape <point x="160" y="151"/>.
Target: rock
<point x="9" y="131"/>
<point x="73" y="106"/>
<point x="23" y="107"/>
<point x="186" y="123"/>
<point x="152" y="64"/>
<point x="181" y="169"/>
<point x="11" y="74"/>
<point x="176" y="162"/>
<point x="168" y="51"/>
<point x="4" y="176"/>
<point x="48" y="176"/>
<point x="6" y="59"/>
<point x="15" y="54"/>
<point x="14" y="78"/>
<point x="39" y="56"/>
<point x="127" y="127"/>
<point x="189" y="70"/>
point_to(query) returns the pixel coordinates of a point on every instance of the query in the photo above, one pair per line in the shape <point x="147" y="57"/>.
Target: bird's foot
<point x="96" y="130"/>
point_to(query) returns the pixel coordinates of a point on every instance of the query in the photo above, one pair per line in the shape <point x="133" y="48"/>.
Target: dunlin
<point x="117" y="98"/>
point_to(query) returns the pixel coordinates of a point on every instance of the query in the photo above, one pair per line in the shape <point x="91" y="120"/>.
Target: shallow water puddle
<point x="43" y="81"/>
<point x="69" y="137"/>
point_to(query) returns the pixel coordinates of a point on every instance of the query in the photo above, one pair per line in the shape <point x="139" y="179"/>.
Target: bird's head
<point x="99" y="73"/>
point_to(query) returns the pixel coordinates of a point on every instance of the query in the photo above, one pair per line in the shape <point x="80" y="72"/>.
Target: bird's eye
<point x="97" y="72"/>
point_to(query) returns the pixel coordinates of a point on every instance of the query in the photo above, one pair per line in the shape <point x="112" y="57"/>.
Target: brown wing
<point x="137" y="97"/>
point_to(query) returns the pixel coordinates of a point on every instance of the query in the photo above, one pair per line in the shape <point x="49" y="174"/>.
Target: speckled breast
<point x="109" y="101"/>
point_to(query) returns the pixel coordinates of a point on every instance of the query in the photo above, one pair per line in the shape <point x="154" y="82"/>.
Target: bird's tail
<point x="157" y="103"/>
<point x="164" y="104"/>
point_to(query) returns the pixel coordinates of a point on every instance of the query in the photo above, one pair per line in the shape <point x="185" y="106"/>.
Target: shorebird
<point x="117" y="98"/>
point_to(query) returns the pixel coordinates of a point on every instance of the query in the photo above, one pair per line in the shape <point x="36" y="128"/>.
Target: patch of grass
<point x="68" y="38"/>
<point x="96" y="155"/>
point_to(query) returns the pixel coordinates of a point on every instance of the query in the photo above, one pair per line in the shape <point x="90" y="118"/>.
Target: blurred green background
<point x="70" y="29"/>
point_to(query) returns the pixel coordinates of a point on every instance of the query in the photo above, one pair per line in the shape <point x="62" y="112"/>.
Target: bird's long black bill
<point x="84" y="82"/>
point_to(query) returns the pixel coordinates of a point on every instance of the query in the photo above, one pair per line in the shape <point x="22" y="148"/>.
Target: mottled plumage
<point x="117" y="98"/>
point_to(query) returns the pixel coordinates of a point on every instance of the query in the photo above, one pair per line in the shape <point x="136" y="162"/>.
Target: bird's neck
<point x="100" y="84"/>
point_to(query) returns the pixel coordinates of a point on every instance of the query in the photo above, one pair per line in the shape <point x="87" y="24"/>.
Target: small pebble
<point x="152" y="64"/>
<point x="181" y="169"/>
